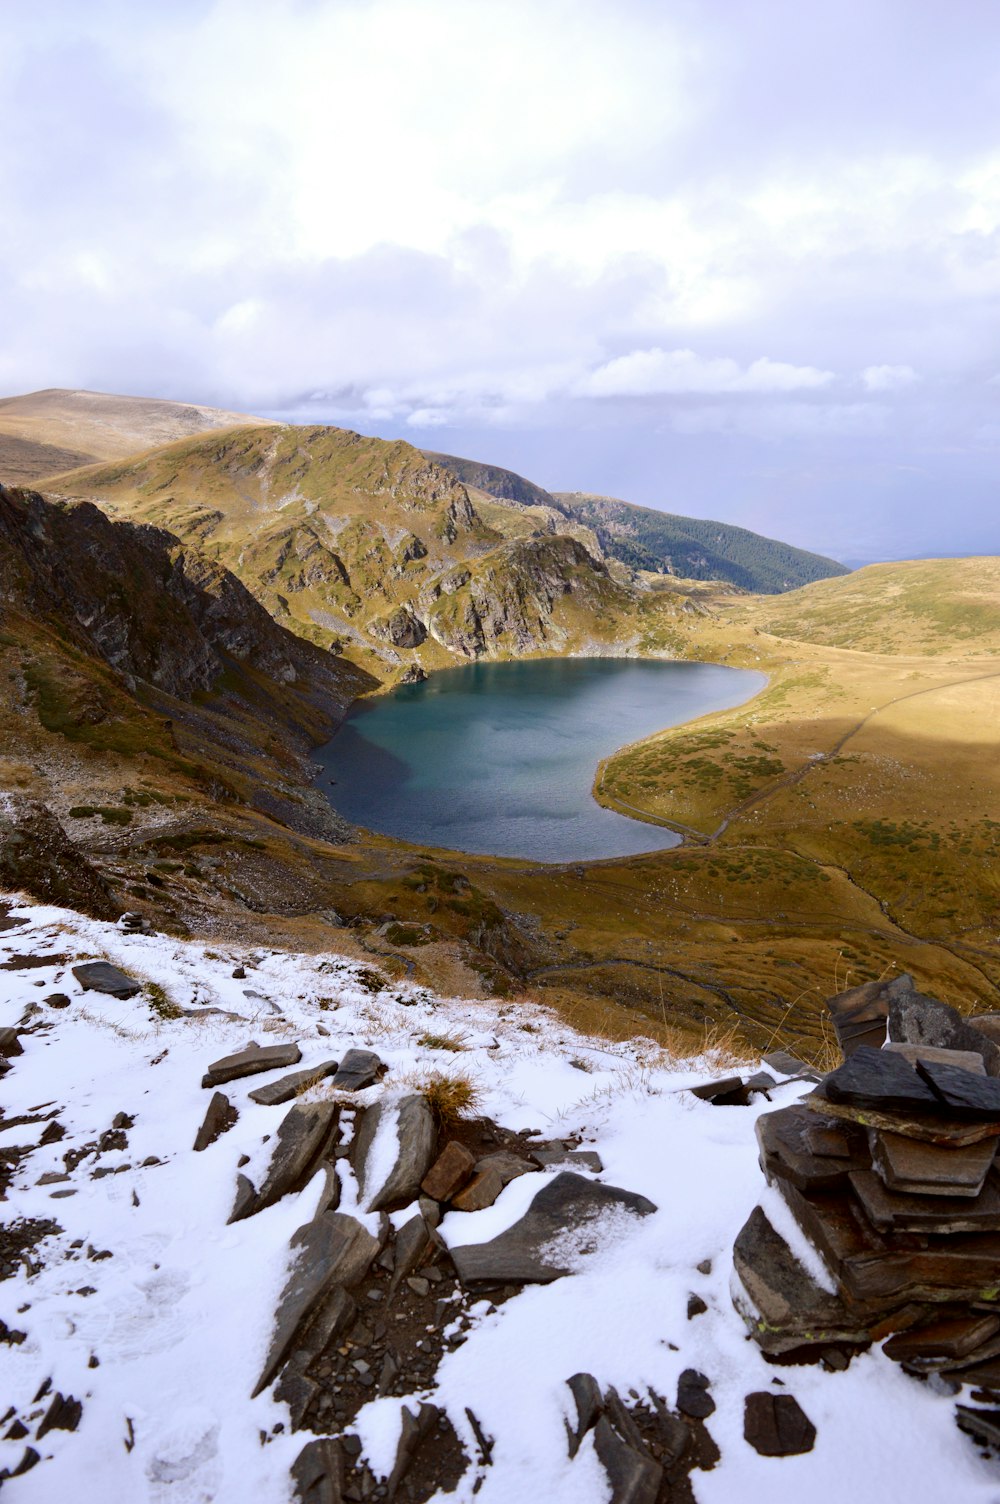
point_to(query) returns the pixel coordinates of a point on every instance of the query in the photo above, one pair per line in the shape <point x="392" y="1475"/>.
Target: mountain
<point x="367" y="547"/>
<point x="697" y="550"/>
<point x="44" y="432"/>
<point x="642" y="538"/>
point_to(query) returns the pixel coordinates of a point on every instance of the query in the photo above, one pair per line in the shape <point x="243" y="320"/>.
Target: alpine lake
<point x="500" y="758"/>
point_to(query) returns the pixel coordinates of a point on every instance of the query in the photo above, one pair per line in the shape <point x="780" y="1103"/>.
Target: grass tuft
<point x="450" y="1097"/>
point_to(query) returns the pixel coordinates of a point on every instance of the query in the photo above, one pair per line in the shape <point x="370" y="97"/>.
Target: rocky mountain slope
<point x="134" y="656"/>
<point x="369" y="548"/>
<point x="56" y="429"/>
<point x="642" y="538"/>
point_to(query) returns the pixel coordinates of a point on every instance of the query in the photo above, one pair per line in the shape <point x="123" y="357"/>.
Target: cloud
<point x="888" y="378"/>
<point x="646" y="373"/>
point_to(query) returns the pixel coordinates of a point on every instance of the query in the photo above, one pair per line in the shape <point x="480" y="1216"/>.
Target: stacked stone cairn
<point x="889" y="1167"/>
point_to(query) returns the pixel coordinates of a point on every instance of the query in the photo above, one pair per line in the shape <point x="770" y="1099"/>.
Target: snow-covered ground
<point x="164" y="1340"/>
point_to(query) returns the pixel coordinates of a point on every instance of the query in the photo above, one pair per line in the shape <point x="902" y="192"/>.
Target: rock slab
<point x="775" y="1425"/>
<point x="250" y="1062"/>
<point x="569" y="1217"/>
<point x="276" y="1093"/>
<point x="390" y="1174"/>
<point x="101" y="976"/>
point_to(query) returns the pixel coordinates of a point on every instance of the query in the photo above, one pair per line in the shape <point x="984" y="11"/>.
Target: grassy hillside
<point x="699" y="550"/>
<point x="367" y="547"/>
<point x="43" y="433"/>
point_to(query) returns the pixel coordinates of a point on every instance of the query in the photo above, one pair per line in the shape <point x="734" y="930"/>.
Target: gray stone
<point x="334" y="1249"/>
<point x="988" y="1024"/>
<point x="964" y="1094"/>
<point x="789" y="1065"/>
<point x="775" y="1425"/>
<point x="815" y="1153"/>
<point x="969" y="1060"/>
<point x="581" y="1159"/>
<point x="219" y="1118"/>
<point x="693" y="1398"/>
<point x="589" y="1403"/>
<point x="508" y="1166"/>
<point x="303" y="1134"/>
<point x="250" y="1062"/>
<point x="877" y="1079"/>
<point x="10" y="1044"/>
<point x="719" y="1092"/>
<point x="915" y="1019"/>
<point x="416" y="1244"/>
<point x="319" y="1473"/>
<point x="415" y="1135"/>
<point x="565" y="1220"/>
<point x="101" y="976"/>
<point x="930" y="1127"/>
<point x="414" y="1429"/>
<point x="919" y="1169"/>
<point x="358" y="1069"/>
<point x="275" y="1093"/>
<point x="946" y="1339"/>
<point x="634" y="1477"/>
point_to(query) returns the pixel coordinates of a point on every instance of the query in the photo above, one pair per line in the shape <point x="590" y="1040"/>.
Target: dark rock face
<point x="775" y="1425"/>
<point x="219" y="1118"/>
<point x="101" y="976"/>
<point x="693" y="1397"/>
<point x="401" y="628"/>
<point x="37" y="857"/>
<point x="563" y="1222"/>
<point x="963" y="1093"/>
<point x="303" y="1134"/>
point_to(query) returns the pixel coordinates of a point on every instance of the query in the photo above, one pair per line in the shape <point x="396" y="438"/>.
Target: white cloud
<point x="888" y="378"/>
<point x="655" y="372"/>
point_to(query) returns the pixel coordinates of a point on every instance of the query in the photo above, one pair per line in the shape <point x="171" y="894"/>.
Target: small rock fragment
<point x="693" y="1397"/>
<point x="775" y="1425"/>
<point x="449" y="1173"/>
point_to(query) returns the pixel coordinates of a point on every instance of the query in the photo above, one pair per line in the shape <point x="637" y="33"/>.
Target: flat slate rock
<point x="358" y="1069"/>
<point x="880" y="1080"/>
<point x="276" y="1093"/>
<point x="219" y="1118"/>
<point x="728" y="1091"/>
<point x="634" y="1476"/>
<point x="940" y="1216"/>
<point x="915" y="1019"/>
<point x="332" y="1249"/>
<point x="796" y="1144"/>
<point x="101" y="976"/>
<point x="414" y="1135"/>
<point x="775" y="1425"/>
<point x="861" y="1014"/>
<point x="946" y="1339"/>
<point x="303" y="1134"/>
<point x="789" y="1065"/>
<point x="569" y="1217"/>
<point x="919" y="1169"/>
<point x="968" y="1060"/>
<point x="925" y="1127"/>
<point x="963" y="1094"/>
<point x="250" y="1062"/>
<point x="787" y="1308"/>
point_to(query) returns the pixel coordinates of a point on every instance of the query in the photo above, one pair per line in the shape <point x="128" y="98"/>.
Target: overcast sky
<point x="738" y="258"/>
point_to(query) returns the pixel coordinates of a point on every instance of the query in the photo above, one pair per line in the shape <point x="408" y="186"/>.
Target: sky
<point x="733" y="260"/>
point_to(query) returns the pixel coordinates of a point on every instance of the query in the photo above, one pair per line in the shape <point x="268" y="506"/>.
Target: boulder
<point x="915" y="1019"/>
<point x="358" y="1069"/>
<point x="334" y="1249"/>
<point x="860" y="1015"/>
<point x="568" y="1218"/>
<point x="393" y="1151"/>
<point x="101" y="976"/>
<point x="276" y="1093"/>
<point x="775" y="1425"/>
<point x="250" y="1062"/>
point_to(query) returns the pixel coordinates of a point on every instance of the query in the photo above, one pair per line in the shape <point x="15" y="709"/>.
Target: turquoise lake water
<point x="499" y="758"/>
